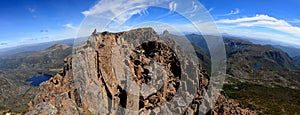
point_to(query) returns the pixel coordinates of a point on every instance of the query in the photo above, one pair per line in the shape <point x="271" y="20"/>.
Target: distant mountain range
<point x="290" y="50"/>
<point x="293" y="52"/>
<point x="33" y="47"/>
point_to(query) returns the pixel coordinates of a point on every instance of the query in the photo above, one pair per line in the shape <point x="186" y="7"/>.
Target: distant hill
<point x="290" y="50"/>
<point x="260" y="64"/>
<point x="33" y="47"/>
<point x="269" y="57"/>
<point x="46" y="58"/>
<point x="293" y="52"/>
<point x="199" y="41"/>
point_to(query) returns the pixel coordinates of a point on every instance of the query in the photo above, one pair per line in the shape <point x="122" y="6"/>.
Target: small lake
<point x="256" y="66"/>
<point x="37" y="80"/>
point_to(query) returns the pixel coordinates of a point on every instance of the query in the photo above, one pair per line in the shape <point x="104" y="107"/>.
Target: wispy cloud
<point x="258" y="17"/>
<point x="31" y="10"/>
<point x="295" y="21"/>
<point x="119" y="10"/>
<point x="69" y="26"/>
<point x="210" y="9"/>
<point x="112" y="14"/>
<point x="172" y="6"/>
<point x="232" y="12"/>
<point x="280" y="30"/>
<point x="264" y="21"/>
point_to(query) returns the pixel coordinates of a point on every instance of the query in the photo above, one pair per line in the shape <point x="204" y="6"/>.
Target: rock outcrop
<point x="133" y="72"/>
<point x="224" y="106"/>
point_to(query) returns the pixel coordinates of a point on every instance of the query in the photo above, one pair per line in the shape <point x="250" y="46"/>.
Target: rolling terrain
<point x="261" y="77"/>
<point x="15" y="69"/>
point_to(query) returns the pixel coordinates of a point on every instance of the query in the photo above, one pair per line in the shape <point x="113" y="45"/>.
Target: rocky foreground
<point x="109" y="72"/>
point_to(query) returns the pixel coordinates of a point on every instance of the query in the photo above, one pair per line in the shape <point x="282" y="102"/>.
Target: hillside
<point x="261" y="77"/>
<point x="261" y="64"/>
<point x="15" y="93"/>
<point x="257" y="76"/>
<point x="293" y="52"/>
<point x="297" y="60"/>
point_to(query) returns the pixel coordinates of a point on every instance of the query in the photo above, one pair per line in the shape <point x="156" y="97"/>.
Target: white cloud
<point x="247" y="19"/>
<point x="119" y="10"/>
<point x="110" y="15"/>
<point x="210" y="9"/>
<point x="172" y="6"/>
<point x="244" y="27"/>
<point x="191" y="9"/>
<point x="263" y="21"/>
<point x="113" y="13"/>
<point x="232" y="12"/>
<point x="69" y="26"/>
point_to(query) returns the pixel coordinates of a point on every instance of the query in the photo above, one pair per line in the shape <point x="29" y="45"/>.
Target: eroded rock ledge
<point x="111" y="71"/>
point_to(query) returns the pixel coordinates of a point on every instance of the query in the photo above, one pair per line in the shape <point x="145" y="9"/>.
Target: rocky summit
<point x="132" y="72"/>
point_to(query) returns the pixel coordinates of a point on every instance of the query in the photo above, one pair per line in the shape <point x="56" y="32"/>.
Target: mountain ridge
<point x="59" y="90"/>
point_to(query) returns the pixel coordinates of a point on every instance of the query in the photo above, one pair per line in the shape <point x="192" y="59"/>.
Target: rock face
<point x="133" y="72"/>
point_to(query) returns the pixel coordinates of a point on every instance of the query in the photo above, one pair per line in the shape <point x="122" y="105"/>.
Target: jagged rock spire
<point x="165" y="34"/>
<point x="95" y="31"/>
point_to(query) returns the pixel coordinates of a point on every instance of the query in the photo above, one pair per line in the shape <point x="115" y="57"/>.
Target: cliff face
<point x="133" y="72"/>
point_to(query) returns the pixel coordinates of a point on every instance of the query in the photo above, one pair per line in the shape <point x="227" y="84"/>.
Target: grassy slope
<point x="267" y="100"/>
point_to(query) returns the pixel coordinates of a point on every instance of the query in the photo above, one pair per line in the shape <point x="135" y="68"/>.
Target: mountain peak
<point x="165" y="34"/>
<point x="58" y="46"/>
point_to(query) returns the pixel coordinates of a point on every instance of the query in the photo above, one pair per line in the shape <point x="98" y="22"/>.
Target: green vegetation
<point x="267" y="100"/>
<point x="2" y="108"/>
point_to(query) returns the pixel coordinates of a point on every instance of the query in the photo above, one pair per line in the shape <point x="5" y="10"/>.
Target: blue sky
<point x="33" y="21"/>
<point x="282" y="9"/>
<point x="29" y="21"/>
